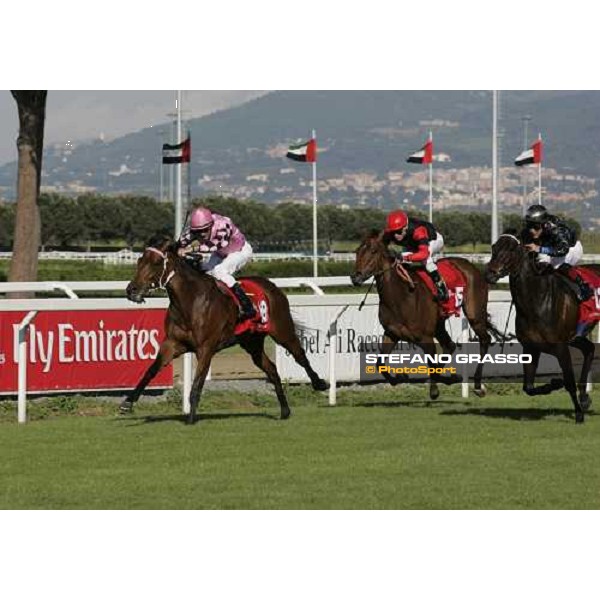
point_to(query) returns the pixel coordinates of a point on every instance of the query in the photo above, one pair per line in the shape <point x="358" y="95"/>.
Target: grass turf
<point x="378" y="450"/>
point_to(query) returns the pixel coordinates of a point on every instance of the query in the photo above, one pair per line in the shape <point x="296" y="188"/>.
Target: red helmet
<point x="396" y="220"/>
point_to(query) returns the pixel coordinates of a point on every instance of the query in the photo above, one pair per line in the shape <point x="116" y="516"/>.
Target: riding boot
<point x="247" y="309"/>
<point x="583" y="328"/>
<point x="440" y="285"/>
<point x="582" y="289"/>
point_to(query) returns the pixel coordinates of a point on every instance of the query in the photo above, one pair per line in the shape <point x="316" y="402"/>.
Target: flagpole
<point x="178" y="219"/>
<point x="315" y="258"/>
<point x="526" y="120"/>
<point x="189" y="186"/>
<point x="540" y="175"/>
<point x="494" y="166"/>
<point x="431" y="182"/>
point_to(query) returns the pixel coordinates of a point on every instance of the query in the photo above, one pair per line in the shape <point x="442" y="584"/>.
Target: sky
<point x="82" y="115"/>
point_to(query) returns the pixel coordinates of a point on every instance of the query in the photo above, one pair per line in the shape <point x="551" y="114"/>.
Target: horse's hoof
<point x="480" y="393"/>
<point x="320" y="385"/>
<point x="285" y="414"/>
<point x="579" y="417"/>
<point x="126" y="407"/>
<point x="434" y="394"/>
<point x="585" y="401"/>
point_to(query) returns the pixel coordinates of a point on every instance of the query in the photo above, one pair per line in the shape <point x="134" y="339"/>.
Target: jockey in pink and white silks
<point x="229" y="251"/>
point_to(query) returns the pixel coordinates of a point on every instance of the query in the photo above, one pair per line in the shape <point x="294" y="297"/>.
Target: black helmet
<point x="536" y="214"/>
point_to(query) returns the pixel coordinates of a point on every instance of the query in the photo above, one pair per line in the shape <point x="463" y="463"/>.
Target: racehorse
<point x="546" y="317"/>
<point x="202" y="319"/>
<point x="409" y="312"/>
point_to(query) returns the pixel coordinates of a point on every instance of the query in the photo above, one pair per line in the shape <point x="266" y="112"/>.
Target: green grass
<point x="379" y="449"/>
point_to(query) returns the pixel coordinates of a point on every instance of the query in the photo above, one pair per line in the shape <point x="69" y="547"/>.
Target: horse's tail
<point x="302" y="329"/>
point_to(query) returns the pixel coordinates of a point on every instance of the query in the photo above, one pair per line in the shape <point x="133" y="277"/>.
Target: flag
<point x="424" y="156"/>
<point x="177" y="153"/>
<point x="304" y="152"/>
<point x="533" y="156"/>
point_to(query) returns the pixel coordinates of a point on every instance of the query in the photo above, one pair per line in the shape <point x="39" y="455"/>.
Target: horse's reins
<point x="402" y="273"/>
<point x="161" y="285"/>
<point x="512" y="302"/>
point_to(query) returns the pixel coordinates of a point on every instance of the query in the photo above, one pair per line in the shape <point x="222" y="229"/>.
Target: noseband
<point x="161" y="285"/>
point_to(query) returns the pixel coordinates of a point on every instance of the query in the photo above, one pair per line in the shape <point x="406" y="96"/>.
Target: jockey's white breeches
<point x="572" y="257"/>
<point x="435" y="247"/>
<point x="223" y="267"/>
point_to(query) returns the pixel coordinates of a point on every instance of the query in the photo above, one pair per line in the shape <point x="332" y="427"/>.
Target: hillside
<point x="360" y="132"/>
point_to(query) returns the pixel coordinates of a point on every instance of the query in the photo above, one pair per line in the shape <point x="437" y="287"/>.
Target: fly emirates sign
<point x="83" y="350"/>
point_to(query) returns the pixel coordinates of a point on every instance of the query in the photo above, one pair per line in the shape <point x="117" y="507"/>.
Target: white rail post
<point x="332" y="333"/>
<point x="589" y="385"/>
<point x="332" y="353"/>
<point x="187" y="383"/>
<point x="464" y="338"/>
<point x="22" y="371"/>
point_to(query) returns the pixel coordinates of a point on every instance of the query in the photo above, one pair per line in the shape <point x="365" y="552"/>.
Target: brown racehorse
<point x="546" y="317"/>
<point x="201" y="319"/>
<point x="409" y="312"/>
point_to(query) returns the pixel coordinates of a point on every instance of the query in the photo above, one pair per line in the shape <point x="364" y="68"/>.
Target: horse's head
<point x="507" y="254"/>
<point x="371" y="258"/>
<point x="151" y="270"/>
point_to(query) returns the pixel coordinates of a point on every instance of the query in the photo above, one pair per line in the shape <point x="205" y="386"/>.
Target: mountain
<point x="363" y="135"/>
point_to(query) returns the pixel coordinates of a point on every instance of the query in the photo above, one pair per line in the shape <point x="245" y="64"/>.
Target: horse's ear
<point x="373" y="234"/>
<point x="511" y="231"/>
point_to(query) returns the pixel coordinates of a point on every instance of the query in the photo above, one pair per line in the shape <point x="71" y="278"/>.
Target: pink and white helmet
<point x="202" y="218"/>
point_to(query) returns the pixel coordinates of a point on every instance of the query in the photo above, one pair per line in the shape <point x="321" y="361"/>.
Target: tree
<point x="30" y="145"/>
<point x="62" y="220"/>
<point x="7" y="225"/>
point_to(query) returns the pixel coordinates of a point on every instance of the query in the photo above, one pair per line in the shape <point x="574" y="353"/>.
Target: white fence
<point x="324" y="313"/>
<point x="128" y="257"/>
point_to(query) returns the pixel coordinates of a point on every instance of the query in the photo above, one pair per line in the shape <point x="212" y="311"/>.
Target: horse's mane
<point x="511" y="231"/>
<point x="371" y="234"/>
<point x="158" y="240"/>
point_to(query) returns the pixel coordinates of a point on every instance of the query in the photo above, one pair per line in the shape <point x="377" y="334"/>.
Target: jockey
<point x="557" y="246"/>
<point x="212" y="233"/>
<point x="422" y="242"/>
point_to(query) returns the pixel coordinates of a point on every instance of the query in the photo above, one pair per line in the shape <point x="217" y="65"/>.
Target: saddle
<point x="455" y="282"/>
<point x="262" y="322"/>
<point x="589" y="310"/>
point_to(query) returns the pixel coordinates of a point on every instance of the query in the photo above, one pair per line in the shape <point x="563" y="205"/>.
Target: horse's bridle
<point x="161" y="285"/>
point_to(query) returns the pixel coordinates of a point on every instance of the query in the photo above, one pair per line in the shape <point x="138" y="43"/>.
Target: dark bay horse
<point x="546" y="318"/>
<point x="409" y="312"/>
<point x="201" y="319"/>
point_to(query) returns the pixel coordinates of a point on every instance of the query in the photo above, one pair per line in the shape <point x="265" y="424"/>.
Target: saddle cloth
<point x="455" y="282"/>
<point x="589" y="311"/>
<point x="262" y="322"/>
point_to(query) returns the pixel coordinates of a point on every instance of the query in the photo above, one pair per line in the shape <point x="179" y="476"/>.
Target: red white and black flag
<point x="532" y="156"/>
<point x="304" y="152"/>
<point x="177" y="153"/>
<point x="424" y="156"/>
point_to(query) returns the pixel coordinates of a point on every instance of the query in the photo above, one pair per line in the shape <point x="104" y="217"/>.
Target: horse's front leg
<point x="169" y="350"/>
<point x="529" y="371"/>
<point x="204" y="357"/>
<point x="389" y="344"/>
<point x="588" y="350"/>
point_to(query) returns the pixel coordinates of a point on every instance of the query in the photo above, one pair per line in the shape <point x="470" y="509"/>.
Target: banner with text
<point x="83" y="350"/>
